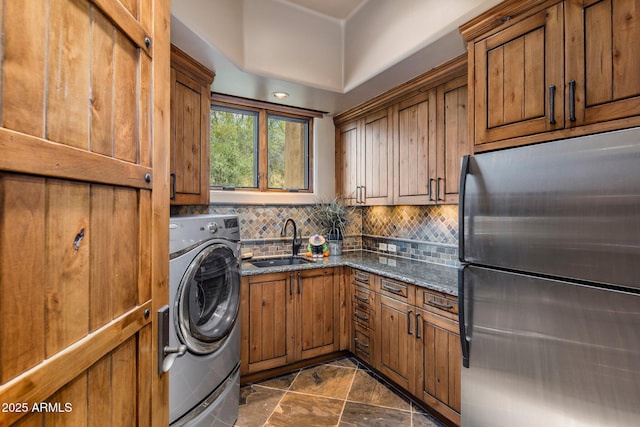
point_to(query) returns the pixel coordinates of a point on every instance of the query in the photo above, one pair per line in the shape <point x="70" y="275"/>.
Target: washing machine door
<point x="208" y="298"/>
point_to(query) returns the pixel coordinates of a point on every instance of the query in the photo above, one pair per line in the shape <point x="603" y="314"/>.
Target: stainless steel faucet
<point x="297" y="239"/>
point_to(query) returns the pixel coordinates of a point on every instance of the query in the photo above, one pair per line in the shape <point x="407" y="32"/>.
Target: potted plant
<point x="333" y="217"/>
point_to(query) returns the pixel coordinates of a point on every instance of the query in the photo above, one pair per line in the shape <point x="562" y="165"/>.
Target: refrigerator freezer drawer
<point x="548" y="353"/>
<point x="567" y="208"/>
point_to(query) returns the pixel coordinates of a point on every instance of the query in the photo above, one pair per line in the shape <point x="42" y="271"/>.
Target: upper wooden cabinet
<point x="405" y="146"/>
<point x="190" y="105"/>
<point x="542" y="70"/>
<point x="364" y="159"/>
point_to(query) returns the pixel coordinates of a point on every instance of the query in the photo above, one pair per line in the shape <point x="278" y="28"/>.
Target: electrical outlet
<point x="391" y="248"/>
<point x="382" y="246"/>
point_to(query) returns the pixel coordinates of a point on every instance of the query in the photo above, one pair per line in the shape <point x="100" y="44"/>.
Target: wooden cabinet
<point x="363" y="301"/>
<point x="438" y="355"/>
<point x="410" y="335"/>
<point x="416" y="150"/>
<point x="602" y="58"/>
<point x="543" y="70"/>
<point x="267" y="316"/>
<point x="364" y="159"/>
<point x="396" y="342"/>
<point x="405" y="146"/>
<point x="190" y="105"/>
<point x="317" y="313"/>
<point x="288" y="317"/>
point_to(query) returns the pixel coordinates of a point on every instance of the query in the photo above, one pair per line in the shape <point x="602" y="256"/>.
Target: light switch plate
<point x="391" y="248"/>
<point x="382" y="246"/>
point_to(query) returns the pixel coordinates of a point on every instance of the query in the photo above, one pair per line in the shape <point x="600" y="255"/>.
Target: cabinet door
<point x="317" y="314"/>
<point x="602" y="58"/>
<point x="347" y="162"/>
<point x="376" y="155"/>
<point x="438" y="364"/>
<point x="395" y="342"/>
<point x="519" y="78"/>
<point x="453" y="137"/>
<point x="267" y="321"/>
<point x="416" y="150"/>
<point x="190" y="105"/>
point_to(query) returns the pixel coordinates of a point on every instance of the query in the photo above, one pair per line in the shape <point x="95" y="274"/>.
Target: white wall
<point x="323" y="174"/>
<point x="381" y="33"/>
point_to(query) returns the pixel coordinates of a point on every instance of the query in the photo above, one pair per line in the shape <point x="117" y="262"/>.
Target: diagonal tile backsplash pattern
<point x="426" y="233"/>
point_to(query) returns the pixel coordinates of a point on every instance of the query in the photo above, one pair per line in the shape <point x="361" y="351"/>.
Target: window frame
<point x="264" y="110"/>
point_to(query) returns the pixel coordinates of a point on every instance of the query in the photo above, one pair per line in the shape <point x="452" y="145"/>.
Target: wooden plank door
<point x="347" y="166"/>
<point x="395" y="341"/>
<point x="267" y="313"/>
<point x="83" y="210"/>
<point x="416" y="150"/>
<point x="438" y="364"/>
<point x="453" y="137"/>
<point x="318" y="311"/>
<point x="376" y="157"/>
<point x="514" y="70"/>
<point x="602" y="60"/>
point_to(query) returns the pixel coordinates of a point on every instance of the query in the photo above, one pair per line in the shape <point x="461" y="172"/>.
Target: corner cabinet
<point x="405" y="146"/>
<point x="190" y="106"/>
<point x="543" y="70"/>
<point x="288" y="317"/>
<point x="410" y="335"/>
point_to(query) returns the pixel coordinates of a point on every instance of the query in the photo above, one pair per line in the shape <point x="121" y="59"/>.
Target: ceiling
<point x="337" y="9"/>
<point x="329" y="55"/>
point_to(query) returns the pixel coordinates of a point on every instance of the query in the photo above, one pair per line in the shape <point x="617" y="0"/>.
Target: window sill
<point x="239" y="197"/>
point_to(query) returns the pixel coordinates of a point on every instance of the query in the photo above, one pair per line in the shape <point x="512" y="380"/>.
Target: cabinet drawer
<point x="361" y="277"/>
<point x="361" y="296"/>
<point x="434" y="300"/>
<point x="396" y="290"/>
<point x="363" y="316"/>
<point x="362" y="344"/>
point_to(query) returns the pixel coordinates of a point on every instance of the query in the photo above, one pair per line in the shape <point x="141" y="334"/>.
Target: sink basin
<point x="276" y="262"/>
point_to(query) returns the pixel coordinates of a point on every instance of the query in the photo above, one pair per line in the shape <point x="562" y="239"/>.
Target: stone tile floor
<point x="340" y="393"/>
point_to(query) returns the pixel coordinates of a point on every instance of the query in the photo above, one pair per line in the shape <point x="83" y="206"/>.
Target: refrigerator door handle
<point x="464" y="342"/>
<point x="464" y="171"/>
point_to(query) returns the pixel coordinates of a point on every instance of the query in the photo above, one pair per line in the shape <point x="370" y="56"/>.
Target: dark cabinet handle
<point x="173" y="186"/>
<point x="363" y="318"/>
<point x="392" y="289"/>
<point x="362" y="299"/>
<point x="439" y="304"/>
<point x="552" y="104"/>
<point x="409" y="322"/>
<point x="438" y="189"/>
<point x="290" y="284"/>
<point x="572" y="100"/>
<point x="360" y="343"/>
<point x="299" y="291"/>
<point x="418" y="326"/>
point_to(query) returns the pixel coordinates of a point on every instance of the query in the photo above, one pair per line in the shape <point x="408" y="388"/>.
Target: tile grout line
<point x="344" y="402"/>
<point x="280" y="401"/>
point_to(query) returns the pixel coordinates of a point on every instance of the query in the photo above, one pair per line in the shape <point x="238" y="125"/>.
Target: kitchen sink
<point x="276" y="262"/>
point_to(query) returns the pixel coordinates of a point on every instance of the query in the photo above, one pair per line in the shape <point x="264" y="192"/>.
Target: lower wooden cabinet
<point x="287" y="317"/>
<point x="395" y="339"/>
<point x="438" y="363"/>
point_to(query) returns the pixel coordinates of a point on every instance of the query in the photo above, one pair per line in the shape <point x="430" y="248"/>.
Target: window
<point x="259" y="146"/>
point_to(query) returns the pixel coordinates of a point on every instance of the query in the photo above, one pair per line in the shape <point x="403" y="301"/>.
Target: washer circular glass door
<point x="206" y="306"/>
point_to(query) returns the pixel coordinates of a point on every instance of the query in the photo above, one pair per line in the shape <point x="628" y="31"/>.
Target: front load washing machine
<point x="204" y="270"/>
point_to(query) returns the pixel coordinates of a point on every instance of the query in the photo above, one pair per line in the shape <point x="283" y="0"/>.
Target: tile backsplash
<point x="426" y="233"/>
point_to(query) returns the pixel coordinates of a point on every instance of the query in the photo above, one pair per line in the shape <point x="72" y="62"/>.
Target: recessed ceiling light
<point x="280" y="95"/>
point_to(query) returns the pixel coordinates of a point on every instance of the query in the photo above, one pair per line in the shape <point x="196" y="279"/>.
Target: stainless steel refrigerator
<point x="549" y="288"/>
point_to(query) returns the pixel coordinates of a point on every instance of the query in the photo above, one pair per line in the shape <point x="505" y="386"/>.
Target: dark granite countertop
<point x="433" y="276"/>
